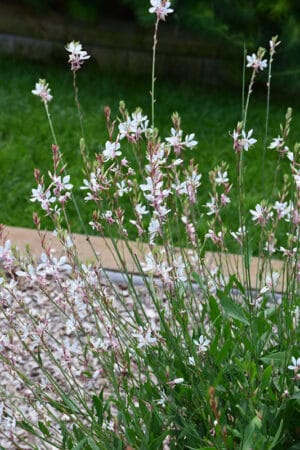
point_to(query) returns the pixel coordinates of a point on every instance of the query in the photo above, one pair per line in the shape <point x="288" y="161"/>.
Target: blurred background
<point x="203" y="40"/>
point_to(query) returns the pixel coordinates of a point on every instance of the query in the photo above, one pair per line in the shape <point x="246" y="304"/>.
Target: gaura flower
<point x="161" y="8"/>
<point x="77" y="55"/>
<point x="256" y="62"/>
<point x="42" y="90"/>
<point x="202" y="344"/>
<point x="295" y="366"/>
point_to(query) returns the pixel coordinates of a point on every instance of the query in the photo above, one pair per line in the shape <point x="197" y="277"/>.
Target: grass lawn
<point x="25" y="139"/>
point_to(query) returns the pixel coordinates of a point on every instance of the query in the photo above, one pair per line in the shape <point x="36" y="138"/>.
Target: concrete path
<point x="26" y="238"/>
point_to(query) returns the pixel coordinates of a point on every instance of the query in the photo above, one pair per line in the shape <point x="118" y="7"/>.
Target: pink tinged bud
<point x="176" y="381"/>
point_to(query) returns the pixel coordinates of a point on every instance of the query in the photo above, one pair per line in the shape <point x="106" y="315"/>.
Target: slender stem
<point x="78" y="105"/>
<point x="83" y="147"/>
<point x="267" y="122"/>
<point x="72" y="195"/>
<point x="246" y="266"/>
<point x="245" y="113"/>
<point x="50" y="123"/>
<point x="153" y="70"/>
<point x="243" y="80"/>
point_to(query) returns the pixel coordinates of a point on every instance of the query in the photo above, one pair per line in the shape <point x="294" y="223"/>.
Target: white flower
<point x="128" y="128"/>
<point x="222" y="177"/>
<point x="149" y="265"/>
<point x="70" y="325"/>
<point x="111" y="150"/>
<point x="161" y="8"/>
<point x="69" y="242"/>
<point x="202" y="344"/>
<point x="4" y="342"/>
<point x="261" y="214"/>
<point x="141" y="209"/>
<point x="180" y="269"/>
<point x="6" y="256"/>
<point x="162" y="400"/>
<point x="216" y="238"/>
<point x="164" y="272"/>
<point x="296" y="177"/>
<point x="175" y="139"/>
<point x="225" y="200"/>
<point x="276" y="143"/>
<point x="154" y="228"/>
<point x="61" y="184"/>
<point x="191" y="360"/>
<point x="180" y="188"/>
<point x="283" y="209"/>
<point x="24" y="331"/>
<point x="108" y="216"/>
<point x="42" y="90"/>
<point x="212" y="206"/>
<point x="247" y="141"/>
<point x="122" y="188"/>
<point x="44" y="198"/>
<point x="189" y="141"/>
<point x="257" y="301"/>
<point x="256" y="63"/>
<point x="133" y="127"/>
<point x="161" y="211"/>
<point x="242" y="140"/>
<point x="77" y="55"/>
<point x="138" y="117"/>
<point x="295" y="366"/>
<point x="272" y="280"/>
<point x="269" y="246"/>
<point x="31" y="274"/>
<point x="144" y="338"/>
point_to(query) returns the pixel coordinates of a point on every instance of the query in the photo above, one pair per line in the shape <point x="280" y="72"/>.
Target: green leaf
<point x="223" y="351"/>
<point x="93" y="445"/>
<point x="266" y="376"/>
<point x="157" y="442"/>
<point x="276" y="359"/>
<point x="233" y="281"/>
<point x="295" y="396"/>
<point x="232" y="309"/>
<point x="39" y="358"/>
<point x="78" y="433"/>
<point x="277" y="435"/>
<point x="250" y="435"/>
<point x="80" y="444"/>
<point x="26" y="426"/>
<point x="206" y="448"/>
<point x="98" y="405"/>
<point x="198" y="279"/>
<point x="295" y="447"/>
<point x="43" y="428"/>
<point x="59" y="406"/>
<point x="215" y="315"/>
<point x="69" y="403"/>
